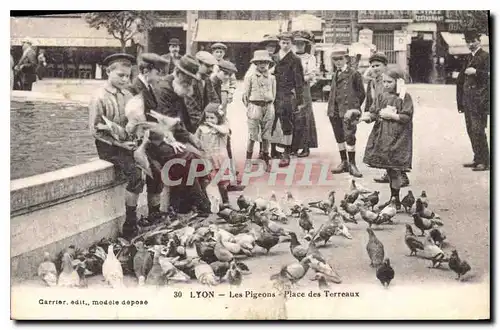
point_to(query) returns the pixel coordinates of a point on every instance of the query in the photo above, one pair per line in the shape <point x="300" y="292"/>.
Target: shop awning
<point x="59" y="32"/>
<point x="211" y="30"/>
<point x="457" y="46"/>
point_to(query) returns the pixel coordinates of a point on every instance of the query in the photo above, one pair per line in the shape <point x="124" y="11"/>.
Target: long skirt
<point x="305" y="134"/>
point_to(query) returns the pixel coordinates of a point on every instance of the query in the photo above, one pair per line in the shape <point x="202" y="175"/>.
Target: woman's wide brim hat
<point x="261" y="56"/>
<point x="188" y="65"/>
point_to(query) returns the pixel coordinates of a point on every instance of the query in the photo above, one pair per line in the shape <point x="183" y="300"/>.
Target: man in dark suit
<point x="289" y="95"/>
<point x="346" y="96"/>
<point x="173" y="56"/>
<point x="26" y="67"/>
<point x="150" y="65"/>
<point x="473" y="99"/>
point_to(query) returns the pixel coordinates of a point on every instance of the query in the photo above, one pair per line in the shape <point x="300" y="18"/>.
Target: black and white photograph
<point x="250" y="165"/>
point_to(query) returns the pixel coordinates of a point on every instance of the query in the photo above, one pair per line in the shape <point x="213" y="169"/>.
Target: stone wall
<point x="76" y="205"/>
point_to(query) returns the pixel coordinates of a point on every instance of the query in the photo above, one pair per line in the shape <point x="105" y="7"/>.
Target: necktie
<point x="153" y="96"/>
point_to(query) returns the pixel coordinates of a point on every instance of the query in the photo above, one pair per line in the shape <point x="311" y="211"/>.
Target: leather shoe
<point x="275" y="154"/>
<point x="470" y="165"/>
<point x="303" y="153"/>
<point x="235" y="187"/>
<point x="285" y="161"/>
<point x="383" y="179"/>
<point x="353" y="170"/>
<point x="481" y="167"/>
<point x="343" y="167"/>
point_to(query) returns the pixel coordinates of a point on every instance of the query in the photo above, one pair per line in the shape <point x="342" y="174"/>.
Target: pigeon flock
<point x="184" y="248"/>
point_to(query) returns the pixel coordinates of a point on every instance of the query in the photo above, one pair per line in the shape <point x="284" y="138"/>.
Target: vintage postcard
<point x="292" y="165"/>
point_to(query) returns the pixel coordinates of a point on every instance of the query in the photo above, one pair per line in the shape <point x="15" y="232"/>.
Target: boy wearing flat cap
<point x="289" y="97"/>
<point x="107" y="122"/>
<point x="347" y="93"/>
<point x="229" y="85"/>
<point x="473" y="100"/>
<point x="173" y="56"/>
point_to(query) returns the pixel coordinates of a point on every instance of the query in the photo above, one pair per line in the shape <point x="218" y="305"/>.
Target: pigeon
<point x="69" y="276"/>
<point x="433" y="252"/>
<point x="437" y="235"/>
<point x="460" y="267"/>
<point x="412" y="242"/>
<point x="117" y="132"/>
<point x="424" y="199"/>
<point x="112" y="269"/>
<point x="293" y="272"/>
<point x="375" y="249"/>
<point x="291" y="205"/>
<point x="155" y="275"/>
<point x="298" y="250"/>
<point x="351" y="197"/>
<point x="370" y="217"/>
<point x="47" y="270"/>
<point x="408" y="201"/>
<point x="325" y="205"/>
<point x="243" y="203"/>
<point x="305" y="221"/>
<point x="322" y="283"/>
<point x="389" y="211"/>
<point x="350" y="208"/>
<point x="372" y="199"/>
<point x="423" y="211"/>
<point x="142" y="263"/>
<point x="355" y="187"/>
<point x="320" y="266"/>
<point x="385" y="273"/>
<point x="424" y="224"/>
<point x="234" y="275"/>
<point x="140" y="157"/>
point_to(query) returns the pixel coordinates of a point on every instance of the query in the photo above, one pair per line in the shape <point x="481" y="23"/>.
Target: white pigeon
<point x="112" y="269"/>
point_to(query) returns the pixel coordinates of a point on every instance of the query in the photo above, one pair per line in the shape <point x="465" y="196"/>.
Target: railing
<point x="380" y="15"/>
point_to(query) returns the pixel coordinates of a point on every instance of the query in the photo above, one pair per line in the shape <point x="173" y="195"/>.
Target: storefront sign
<point x="400" y="40"/>
<point x="68" y="42"/>
<point x="336" y="32"/>
<point x="429" y="16"/>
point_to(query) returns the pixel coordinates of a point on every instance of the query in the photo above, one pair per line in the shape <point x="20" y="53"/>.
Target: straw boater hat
<point x="206" y="58"/>
<point x="379" y="57"/>
<point x="188" y="65"/>
<point x="261" y="56"/>
<point x="339" y="52"/>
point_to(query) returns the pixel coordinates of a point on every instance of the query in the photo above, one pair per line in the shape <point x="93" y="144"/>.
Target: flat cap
<point x="174" y="41"/>
<point x="189" y="65"/>
<point x="122" y="57"/>
<point x="206" y="58"/>
<point x="379" y="57"/>
<point x="154" y="59"/>
<point x="218" y="45"/>
<point x="227" y="66"/>
<point x="268" y="38"/>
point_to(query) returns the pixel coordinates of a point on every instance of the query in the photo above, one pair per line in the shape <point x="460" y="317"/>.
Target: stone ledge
<point x="44" y="190"/>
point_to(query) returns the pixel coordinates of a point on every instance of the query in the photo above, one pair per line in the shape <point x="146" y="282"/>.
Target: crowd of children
<point x="184" y="115"/>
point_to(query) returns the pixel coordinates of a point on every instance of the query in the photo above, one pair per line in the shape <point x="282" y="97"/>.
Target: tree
<point x="122" y="25"/>
<point x="477" y="19"/>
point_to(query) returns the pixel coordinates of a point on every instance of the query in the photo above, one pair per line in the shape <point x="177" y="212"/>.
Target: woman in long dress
<point x="305" y="136"/>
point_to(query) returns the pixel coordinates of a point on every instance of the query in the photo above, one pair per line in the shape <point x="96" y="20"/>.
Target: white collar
<point x="283" y="53"/>
<point x="143" y="79"/>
